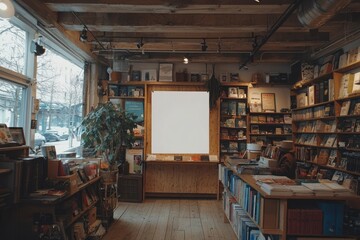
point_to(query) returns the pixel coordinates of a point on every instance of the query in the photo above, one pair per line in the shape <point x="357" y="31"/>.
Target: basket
<point x="109" y="177"/>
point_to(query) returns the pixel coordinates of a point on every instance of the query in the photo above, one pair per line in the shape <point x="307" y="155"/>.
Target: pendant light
<point x="7" y="9"/>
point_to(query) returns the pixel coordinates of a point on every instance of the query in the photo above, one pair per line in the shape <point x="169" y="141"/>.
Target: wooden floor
<point x="171" y="219"/>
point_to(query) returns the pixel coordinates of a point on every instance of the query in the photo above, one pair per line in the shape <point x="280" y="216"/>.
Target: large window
<point x="11" y="103"/>
<point x="60" y="90"/>
<point x="12" y="47"/>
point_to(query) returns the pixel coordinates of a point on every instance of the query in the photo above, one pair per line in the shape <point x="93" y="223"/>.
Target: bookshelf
<point x="326" y="121"/>
<point x="233" y="119"/>
<point x="269" y="127"/>
<point x="250" y="210"/>
<point x="66" y="212"/>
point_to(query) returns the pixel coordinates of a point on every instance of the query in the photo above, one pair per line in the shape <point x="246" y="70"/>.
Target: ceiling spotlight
<point x="203" y="45"/>
<point x="257" y="1"/>
<point x="7" y="9"/>
<point x="140" y="44"/>
<point x="186" y="60"/>
<point x="83" y="35"/>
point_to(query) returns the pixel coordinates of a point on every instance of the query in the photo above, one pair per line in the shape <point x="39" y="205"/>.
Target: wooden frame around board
<point x="268" y="103"/>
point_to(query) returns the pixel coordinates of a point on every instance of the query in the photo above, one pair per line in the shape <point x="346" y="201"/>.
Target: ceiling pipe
<point x="315" y="13"/>
<point x="292" y="7"/>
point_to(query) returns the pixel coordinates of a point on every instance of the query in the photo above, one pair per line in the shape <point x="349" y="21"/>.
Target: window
<point x="11" y="103"/>
<point x="60" y="88"/>
<point x="12" y="47"/>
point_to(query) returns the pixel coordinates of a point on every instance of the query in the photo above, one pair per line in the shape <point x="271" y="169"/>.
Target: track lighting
<point x="204" y="46"/>
<point x="7" y="9"/>
<point x="140" y="44"/>
<point x="83" y="35"/>
<point x="186" y="60"/>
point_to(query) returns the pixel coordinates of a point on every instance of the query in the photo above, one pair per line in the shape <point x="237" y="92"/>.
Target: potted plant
<point x="108" y="131"/>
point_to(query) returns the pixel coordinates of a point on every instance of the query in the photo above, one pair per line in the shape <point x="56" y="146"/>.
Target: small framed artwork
<point x="165" y="72"/>
<point x="136" y="76"/>
<point x="223" y="77"/>
<point x="268" y="102"/>
<point x="17" y="135"/>
<point x="149" y="75"/>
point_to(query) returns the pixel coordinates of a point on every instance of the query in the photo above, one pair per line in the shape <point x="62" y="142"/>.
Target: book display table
<point x="249" y="208"/>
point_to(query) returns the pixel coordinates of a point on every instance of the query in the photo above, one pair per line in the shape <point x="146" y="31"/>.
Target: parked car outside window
<point x="51" y="137"/>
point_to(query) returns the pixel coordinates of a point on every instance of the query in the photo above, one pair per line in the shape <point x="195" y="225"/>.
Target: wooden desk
<point x="181" y="178"/>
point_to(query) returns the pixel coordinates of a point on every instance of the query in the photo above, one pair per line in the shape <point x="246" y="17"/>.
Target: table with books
<point x="284" y="207"/>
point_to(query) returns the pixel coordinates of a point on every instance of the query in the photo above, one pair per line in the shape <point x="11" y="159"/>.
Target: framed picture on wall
<point x="268" y="102"/>
<point x="165" y="72"/>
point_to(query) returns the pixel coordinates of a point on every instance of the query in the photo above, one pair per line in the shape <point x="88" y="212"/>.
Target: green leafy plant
<point x="108" y="131"/>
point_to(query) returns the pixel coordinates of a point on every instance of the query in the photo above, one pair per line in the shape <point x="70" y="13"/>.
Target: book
<point x="319" y="189"/>
<point x="356" y="83"/>
<point x="343" y="60"/>
<point x="323" y="156"/>
<point x="224" y="108"/>
<point x="276" y="189"/>
<point x="232" y="92"/>
<point x="344" y="85"/>
<point x="134" y="157"/>
<point x="311" y="94"/>
<point x="232" y="108"/>
<point x="241" y="108"/>
<point x="331" y="89"/>
<point x="345" y="106"/>
<point x="136" y="108"/>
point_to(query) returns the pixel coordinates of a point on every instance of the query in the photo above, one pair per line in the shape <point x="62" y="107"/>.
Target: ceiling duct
<point x="315" y="13"/>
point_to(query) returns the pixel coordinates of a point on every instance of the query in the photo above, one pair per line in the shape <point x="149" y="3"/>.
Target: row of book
<point x="317" y="126"/>
<point x="350" y="161"/>
<point x="232" y="147"/>
<point x="233" y="92"/>
<point x="232" y="134"/>
<point x="247" y="197"/>
<point x="349" y="125"/>
<point x="316" y="112"/>
<point x="242" y="225"/>
<point x="321" y="156"/>
<point x="270" y="119"/>
<point x="306" y="139"/>
<point x="350" y="107"/>
<point x="259" y="129"/>
<point x="131" y="91"/>
<point x="349" y="85"/>
<point x="233" y="122"/>
<point x="234" y="108"/>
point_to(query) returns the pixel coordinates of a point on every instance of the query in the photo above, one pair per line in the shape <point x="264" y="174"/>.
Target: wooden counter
<point x="181" y="178"/>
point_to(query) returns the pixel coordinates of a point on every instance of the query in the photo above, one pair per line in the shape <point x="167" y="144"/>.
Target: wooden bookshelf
<point x="326" y="110"/>
<point x="233" y="127"/>
<point x="269" y="127"/>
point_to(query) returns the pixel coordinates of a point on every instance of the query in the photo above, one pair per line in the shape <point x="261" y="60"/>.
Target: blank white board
<point x="179" y="122"/>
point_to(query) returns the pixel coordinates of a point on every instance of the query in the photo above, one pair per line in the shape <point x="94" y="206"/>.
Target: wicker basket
<point x="109" y="176"/>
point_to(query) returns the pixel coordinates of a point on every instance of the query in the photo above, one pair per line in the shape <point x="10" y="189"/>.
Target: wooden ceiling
<point x="170" y="29"/>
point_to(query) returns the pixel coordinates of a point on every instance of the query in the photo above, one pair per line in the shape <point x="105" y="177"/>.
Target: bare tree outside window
<point x="12" y="49"/>
<point x="60" y="89"/>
